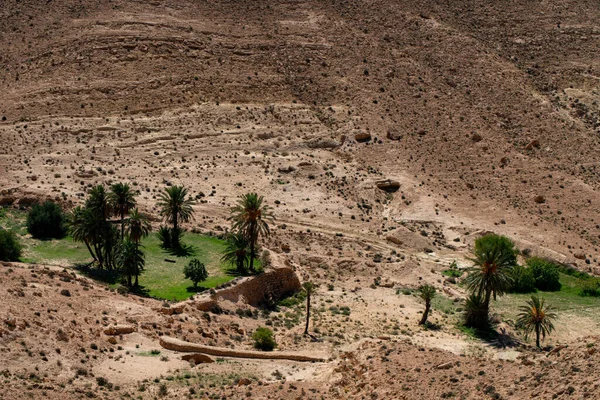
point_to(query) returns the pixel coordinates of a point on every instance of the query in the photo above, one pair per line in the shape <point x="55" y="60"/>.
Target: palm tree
<point x="79" y="228"/>
<point x="237" y="252"/>
<point x="121" y="200"/>
<point x="250" y="218"/>
<point x="536" y="317"/>
<point x="138" y="226"/>
<point x="308" y="288"/>
<point x="98" y="202"/>
<point x="476" y="315"/>
<point x="427" y="293"/>
<point x="495" y="256"/>
<point x="131" y="260"/>
<point x="175" y="207"/>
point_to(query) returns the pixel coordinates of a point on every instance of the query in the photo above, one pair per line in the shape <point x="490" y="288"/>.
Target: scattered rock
<point x="534" y="143"/>
<point x="362" y="137"/>
<point x="539" y="199"/>
<point x="65" y="292"/>
<point x="393" y="134"/>
<point x="476" y="137"/>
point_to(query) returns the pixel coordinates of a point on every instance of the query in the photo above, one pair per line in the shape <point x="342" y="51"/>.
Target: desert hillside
<point x="386" y="135"/>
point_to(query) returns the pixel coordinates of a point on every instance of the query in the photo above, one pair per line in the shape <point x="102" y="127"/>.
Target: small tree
<point x="308" y="288"/>
<point x="427" y="293"/>
<point x="46" y="221"/>
<point x="121" y="200"/>
<point x="195" y="271"/>
<point x="536" y="317"/>
<point x="264" y="339"/>
<point x="10" y="248"/>
<point x="476" y="314"/>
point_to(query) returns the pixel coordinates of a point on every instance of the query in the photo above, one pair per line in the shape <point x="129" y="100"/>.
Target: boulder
<point x="197" y="358"/>
<point x="534" y="143"/>
<point x="388" y="185"/>
<point x="539" y="199"/>
<point x="362" y="136"/>
<point x="393" y="134"/>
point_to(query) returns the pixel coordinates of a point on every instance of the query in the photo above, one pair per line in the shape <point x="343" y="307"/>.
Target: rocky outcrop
<point x="388" y="185"/>
<point x="119" y="330"/>
<point x="197" y="358"/>
<point x="179" y="345"/>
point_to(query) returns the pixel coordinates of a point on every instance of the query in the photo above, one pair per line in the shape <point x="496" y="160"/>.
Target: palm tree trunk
<point x="87" y="244"/>
<point x="537" y="336"/>
<point x="137" y="284"/>
<point x="251" y="256"/>
<point x="307" y="313"/>
<point x="425" y="313"/>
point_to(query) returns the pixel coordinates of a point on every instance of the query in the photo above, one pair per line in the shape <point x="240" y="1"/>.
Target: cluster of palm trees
<point x="490" y="277"/>
<point x="250" y="220"/>
<point x="112" y="243"/>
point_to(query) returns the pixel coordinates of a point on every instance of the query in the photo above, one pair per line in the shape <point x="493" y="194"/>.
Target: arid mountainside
<point x="386" y="135"/>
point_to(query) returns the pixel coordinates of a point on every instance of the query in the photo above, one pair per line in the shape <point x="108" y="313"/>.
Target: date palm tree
<point x="237" y="252"/>
<point x="427" y="293"/>
<point x="79" y="228"/>
<point x="494" y="257"/>
<point x="250" y="218"/>
<point x="536" y="317"/>
<point x="138" y="226"/>
<point x="175" y="208"/>
<point x="121" y="200"/>
<point x="130" y="259"/>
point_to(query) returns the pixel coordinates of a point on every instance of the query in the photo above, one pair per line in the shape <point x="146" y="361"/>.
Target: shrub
<point x="10" y="248"/>
<point x="545" y="273"/>
<point x="590" y="287"/>
<point x="195" y="271"/>
<point x="476" y="313"/>
<point x="264" y="339"/>
<point x="164" y="235"/>
<point x="523" y="280"/>
<point x="46" y="221"/>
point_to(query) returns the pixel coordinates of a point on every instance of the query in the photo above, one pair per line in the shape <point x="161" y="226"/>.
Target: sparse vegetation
<point x="264" y="339"/>
<point x="10" y="248"/>
<point x="427" y="293"/>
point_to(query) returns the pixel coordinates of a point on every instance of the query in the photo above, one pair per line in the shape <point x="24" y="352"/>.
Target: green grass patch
<point x="567" y="300"/>
<point x="162" y="279"/>
<point x="452" y="273"/>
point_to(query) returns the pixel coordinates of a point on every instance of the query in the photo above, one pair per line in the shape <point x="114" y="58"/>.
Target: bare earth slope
<point x="485" y="113"/>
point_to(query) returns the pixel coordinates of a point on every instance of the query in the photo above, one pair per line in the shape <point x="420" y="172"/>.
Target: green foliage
<point x="293" y="300"/>
<point x="251" y="219"/>
<point x="46" y="221"/>
<point x="264" y="339"/>
<point x="131" y="260"/>
<point x="237" y="252"/>
<point x="175" y="208"/>
<point x="427" y="293"/>
<point x="476" y="312"/>
<point x="536" y="317"/>
<point x="121" y="200"/>
<point x="590" y="287"/>
<point x="452" y="273"/>
<point x="495" y="256"/>
<point x="10" y="247"/>
<point x="164" y="235"/>
<point x="138" y="226"/>
<point x="195" y="271"/>
<point x="546" y="274"/>
<point x="522" y="279"/>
